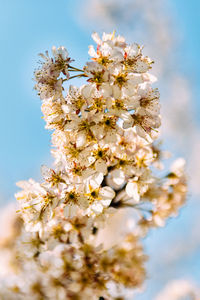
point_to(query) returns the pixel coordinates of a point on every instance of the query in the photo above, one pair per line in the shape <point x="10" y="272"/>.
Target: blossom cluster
<point x="104" y="147"/>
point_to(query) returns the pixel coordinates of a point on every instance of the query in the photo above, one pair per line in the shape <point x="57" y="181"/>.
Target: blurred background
<point x="169" y="31"/>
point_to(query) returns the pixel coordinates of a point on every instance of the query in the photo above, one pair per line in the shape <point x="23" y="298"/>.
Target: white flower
<point x="137" y="186"/>
<point x="60" y="52"/>
<point x="102" y="145"/>
<point x="132" y="190"/>
<point x="74" y="201"/>
<point x="178" y="167"/>
<point x="116" y="179"/>
<point x="99" y="199"/>
<point x="132" y="51"/>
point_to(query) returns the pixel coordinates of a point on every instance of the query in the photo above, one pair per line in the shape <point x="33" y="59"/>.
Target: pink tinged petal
<point x="132" y="190"/>
<point x="92" y="52"/>
<point x="96" y="38"/>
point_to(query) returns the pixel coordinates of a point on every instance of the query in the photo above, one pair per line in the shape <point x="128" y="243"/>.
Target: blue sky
<point x="187" y="18"/>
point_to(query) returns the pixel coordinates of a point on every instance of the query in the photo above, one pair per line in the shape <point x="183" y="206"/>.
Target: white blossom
<point x="103" y="149"/>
